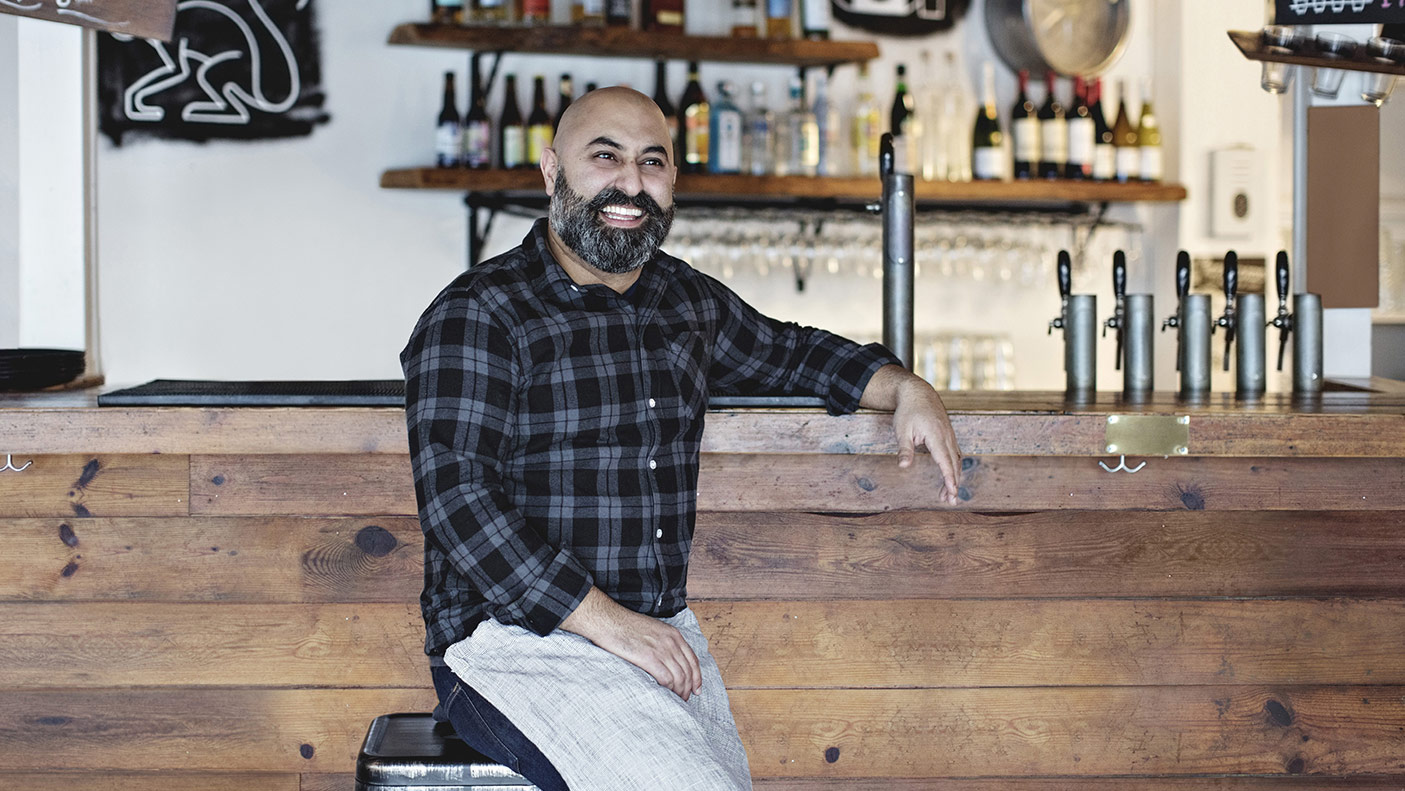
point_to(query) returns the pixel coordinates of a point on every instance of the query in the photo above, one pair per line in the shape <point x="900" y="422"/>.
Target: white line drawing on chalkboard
<point x="21" y="6"/>
<point x="1321" y="6"/>
<point x="229" y="104"/>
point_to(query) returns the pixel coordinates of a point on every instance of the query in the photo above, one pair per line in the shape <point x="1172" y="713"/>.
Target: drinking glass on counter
<point x="967" y="362"/>
<point x="1327" y="82"/>
<point x="1376" y="86"/>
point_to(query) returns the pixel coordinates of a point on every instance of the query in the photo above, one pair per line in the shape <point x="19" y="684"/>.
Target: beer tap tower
<point x="1243" y="322"/>
<point x="1304" y="326"/>
<point x="1132" y="320"/>
<point x="1078" y="318"/>
<point x="1192" y="324"/>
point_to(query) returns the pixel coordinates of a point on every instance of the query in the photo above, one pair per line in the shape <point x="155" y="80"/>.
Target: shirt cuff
<point x="555" y="594"/>
<point x="851" y="378"/>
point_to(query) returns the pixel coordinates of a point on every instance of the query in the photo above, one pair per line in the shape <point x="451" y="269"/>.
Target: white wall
<point x="9" y="183"/>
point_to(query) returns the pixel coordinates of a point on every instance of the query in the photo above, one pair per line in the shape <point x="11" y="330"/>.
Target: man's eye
<point x="654" y="162"/>
<point x="604" y="154"/>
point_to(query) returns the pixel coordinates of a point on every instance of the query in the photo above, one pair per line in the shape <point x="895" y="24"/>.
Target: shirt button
<point x="653" y="465"/>
<point x="658" y="533"/>
<point x="651" y="403"/>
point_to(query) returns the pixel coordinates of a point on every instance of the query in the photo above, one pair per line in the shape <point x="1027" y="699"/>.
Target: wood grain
<point x="154" y="781"/>
<point x="834" y="644"/>
<point x="103" y="485"/>
<point x="223" y="559"/>
<point x="298" y="484"/>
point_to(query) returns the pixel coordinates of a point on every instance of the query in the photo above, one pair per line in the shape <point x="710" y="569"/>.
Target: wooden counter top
<point x="1339" y="423"/>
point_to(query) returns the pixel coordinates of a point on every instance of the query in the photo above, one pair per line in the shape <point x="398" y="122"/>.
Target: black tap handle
<point x="1182" y="274"/>
<point x="1280" y="270"/>
<point x="1065" y="274"/>
<point x="1119" y="275"/>
<point x="886" y="155"/>
<point x="1231" y="276"/>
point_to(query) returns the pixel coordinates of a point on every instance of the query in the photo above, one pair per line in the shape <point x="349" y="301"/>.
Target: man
<point x="555" y="399"/>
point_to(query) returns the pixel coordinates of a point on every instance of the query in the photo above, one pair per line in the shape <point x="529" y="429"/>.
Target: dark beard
<point x="608" y="249"/>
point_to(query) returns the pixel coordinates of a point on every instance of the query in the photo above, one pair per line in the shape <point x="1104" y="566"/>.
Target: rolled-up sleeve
<point x="461" y="371"/>
<point x="755" y="354"/>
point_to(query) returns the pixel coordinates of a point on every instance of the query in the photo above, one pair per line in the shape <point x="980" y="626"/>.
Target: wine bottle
<point x="867" y="130"/>
<point x="901" y="120"/>
<point x="619" y="13"/>
<point x="1149" y="139"/>
<point x="536" y="12"/>
<point x="512" y="143"/>
<point x="563" y="101"/>
<point x="1124" y="136"/>
<point x="1053" y="131"/>
<point x="693" y="125"/>
<point x="987" y="141"/>
<point x="588" y="12"/>
<point x="664" y="16"/>
<point x="1104" y="142"/>
<point x="477" y="127"/>
<point x="778" y="13"/>
<point x="1024" y="131"/>
<point x="760" y="134"/>
<point x="448" y="140"/>
<point x="670" y="115"/>
<point x="744" y="19"/>
<point x="539" y="133"/>
<point x="1082" y="134"/>
<point x="815" y="19"/>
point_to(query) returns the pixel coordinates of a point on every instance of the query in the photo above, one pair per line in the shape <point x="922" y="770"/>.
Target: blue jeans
<point x="486" y="730"/>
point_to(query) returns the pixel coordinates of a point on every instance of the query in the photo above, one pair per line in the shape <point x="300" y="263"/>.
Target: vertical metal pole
<point x="93" y="338"/>
<point x="1301" y="101"/>
<point x="899" y="208"/>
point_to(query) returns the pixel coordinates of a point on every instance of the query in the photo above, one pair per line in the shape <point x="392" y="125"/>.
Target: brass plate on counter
<point x="1147" y="435"/>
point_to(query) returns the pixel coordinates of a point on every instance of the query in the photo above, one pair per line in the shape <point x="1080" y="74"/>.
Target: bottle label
<point x="1129" y="162"/>
<point x="533" y="9"/>
<point x="1081" y="140"/>
<point x="1104" y="162"/>
<point x="695" y="135"/>
<point x="1151" y="163"/>
<point x="477" y="144"/>
<point x="778" y="9"/>
<point x="514" y="146"/>
<point x="448" y="142"/>
<point x="1055" y="136"/>
<point x="729" y="143"/>
<point x="1026" y="132"/>
<point x="490" y="3"/>
<point x="988" y="163"/>
<point x="538" y="139"/>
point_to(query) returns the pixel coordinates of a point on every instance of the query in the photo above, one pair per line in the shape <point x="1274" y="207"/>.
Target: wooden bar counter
<point x="224" y="598"/>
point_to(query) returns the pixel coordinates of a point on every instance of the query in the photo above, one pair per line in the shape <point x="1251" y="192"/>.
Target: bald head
<point x="613" y="113"/>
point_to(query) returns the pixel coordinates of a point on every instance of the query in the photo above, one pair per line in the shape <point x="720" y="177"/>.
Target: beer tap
<point x="1182" y="288"/>
<point x="1078" y="318"/>
<point x="1065" y="272"/>
<point x="1229" y="320"/>
<point x="1284" y="320"/>
<point x="1118" y="321"/>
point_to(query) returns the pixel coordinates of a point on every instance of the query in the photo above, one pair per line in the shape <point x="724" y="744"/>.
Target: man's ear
<point x="548" y="166"/>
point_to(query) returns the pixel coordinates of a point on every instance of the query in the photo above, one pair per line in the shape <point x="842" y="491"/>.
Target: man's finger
<point x="949" y="480"/>
<point x="905" y="449"/>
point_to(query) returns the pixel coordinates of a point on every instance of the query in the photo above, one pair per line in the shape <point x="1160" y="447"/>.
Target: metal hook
<point x="1122" y="466"/>
<point x="10" y="464"/>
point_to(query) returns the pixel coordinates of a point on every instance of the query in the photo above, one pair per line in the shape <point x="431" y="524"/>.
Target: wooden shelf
<point x="611" y="42"/>
<point x="1387" y="318"/>
<point x="739" y="186"/>
<point x="1252" y="46"/>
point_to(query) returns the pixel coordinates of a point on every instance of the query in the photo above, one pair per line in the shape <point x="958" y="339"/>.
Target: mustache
<point x="614" y="196"/>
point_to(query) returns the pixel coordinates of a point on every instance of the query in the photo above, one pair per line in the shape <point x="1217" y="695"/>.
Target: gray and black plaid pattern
<point x="555" y="430"/>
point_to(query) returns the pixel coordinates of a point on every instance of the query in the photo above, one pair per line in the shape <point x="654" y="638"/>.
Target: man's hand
<point x="647" y="643"/>
<point x="919" y="418"/>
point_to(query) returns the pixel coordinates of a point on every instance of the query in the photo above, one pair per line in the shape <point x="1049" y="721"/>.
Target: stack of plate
<point x="35" y="369"/>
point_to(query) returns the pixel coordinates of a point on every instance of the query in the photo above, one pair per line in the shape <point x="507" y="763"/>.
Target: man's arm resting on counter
<point x="919" y="419"/>
<point x="647" y="643"/>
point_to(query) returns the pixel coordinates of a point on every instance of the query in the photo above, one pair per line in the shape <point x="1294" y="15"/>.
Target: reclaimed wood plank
<point x="153" y="781"/>
<point x="866" y="644"/>
<point x="264" y="559"/>
<point x="79" y="487"/>
<point x="347" y="782"/>
<point x="302" y="484"/>
<point x="780" y="482"/>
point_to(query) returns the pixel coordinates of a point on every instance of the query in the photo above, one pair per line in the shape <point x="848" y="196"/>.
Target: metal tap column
<point x="899" y="207"/>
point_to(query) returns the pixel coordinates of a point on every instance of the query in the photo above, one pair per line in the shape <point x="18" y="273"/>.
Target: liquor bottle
<point x="670" y="115"/>
<point x="539" y="133"/>
<point x="692" y="125"/>
<point x="1053" y="132"/>
<point x="778" y="13"/>
<point x="1024" y="131"/>
<point x="477" y="127"/>
<point x="829" y="154"/>
<point x="815" y="19"/>
<point x="664" y="16"/>
<point x="563" y="101"/>
<point x="536" y="12"/>
<point x="590" y="86"/>
<point x="760" y="134"/>
<point x="744" y="18"/>
<point x="958" y="106"/>
<point x="1082" y="134"/>
<point x="512" y="134"/>
<point x="446" y="12"/>
<point x="588" y="12"/>
<point x="1124" y="136"/>
<point x="1149" y="139"/>
<point x="931" y="159"/>
<point x="492" y="12"/>
<point x="804" y="134"/>
<point x="725" y="135"/>
<point x="867" y="131"/>
<point x="987" y="142"/>
<point x="902" y="119"/>
<point x="1104" y="142"/>
<point x="619" y="13"/>
<point x="448" y="139"/>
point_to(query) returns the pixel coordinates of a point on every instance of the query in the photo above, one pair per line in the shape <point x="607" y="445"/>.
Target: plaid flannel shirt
<point x="555" y="430"/>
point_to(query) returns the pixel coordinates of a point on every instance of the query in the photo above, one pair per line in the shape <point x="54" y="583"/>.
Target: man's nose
<point x="629" y="179"/>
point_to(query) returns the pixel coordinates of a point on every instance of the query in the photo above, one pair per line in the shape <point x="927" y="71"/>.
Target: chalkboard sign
<point x="1339" y="12"/>
<point x="145" y="18"/>
<point x="235" y="69"/>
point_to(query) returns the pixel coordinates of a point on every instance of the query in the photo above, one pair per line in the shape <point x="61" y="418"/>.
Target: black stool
<point x="412" y="751"/>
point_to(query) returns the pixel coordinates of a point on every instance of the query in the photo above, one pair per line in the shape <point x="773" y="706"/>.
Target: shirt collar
<point x="553" y="283"/>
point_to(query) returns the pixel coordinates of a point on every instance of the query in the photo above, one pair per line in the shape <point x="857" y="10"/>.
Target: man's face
<point x="612" y="190"/>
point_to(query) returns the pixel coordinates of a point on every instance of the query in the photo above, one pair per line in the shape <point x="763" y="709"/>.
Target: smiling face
<point x="610" y="177"/>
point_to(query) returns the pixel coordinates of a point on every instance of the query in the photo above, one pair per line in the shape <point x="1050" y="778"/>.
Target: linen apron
<point x="605" y="724"/>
